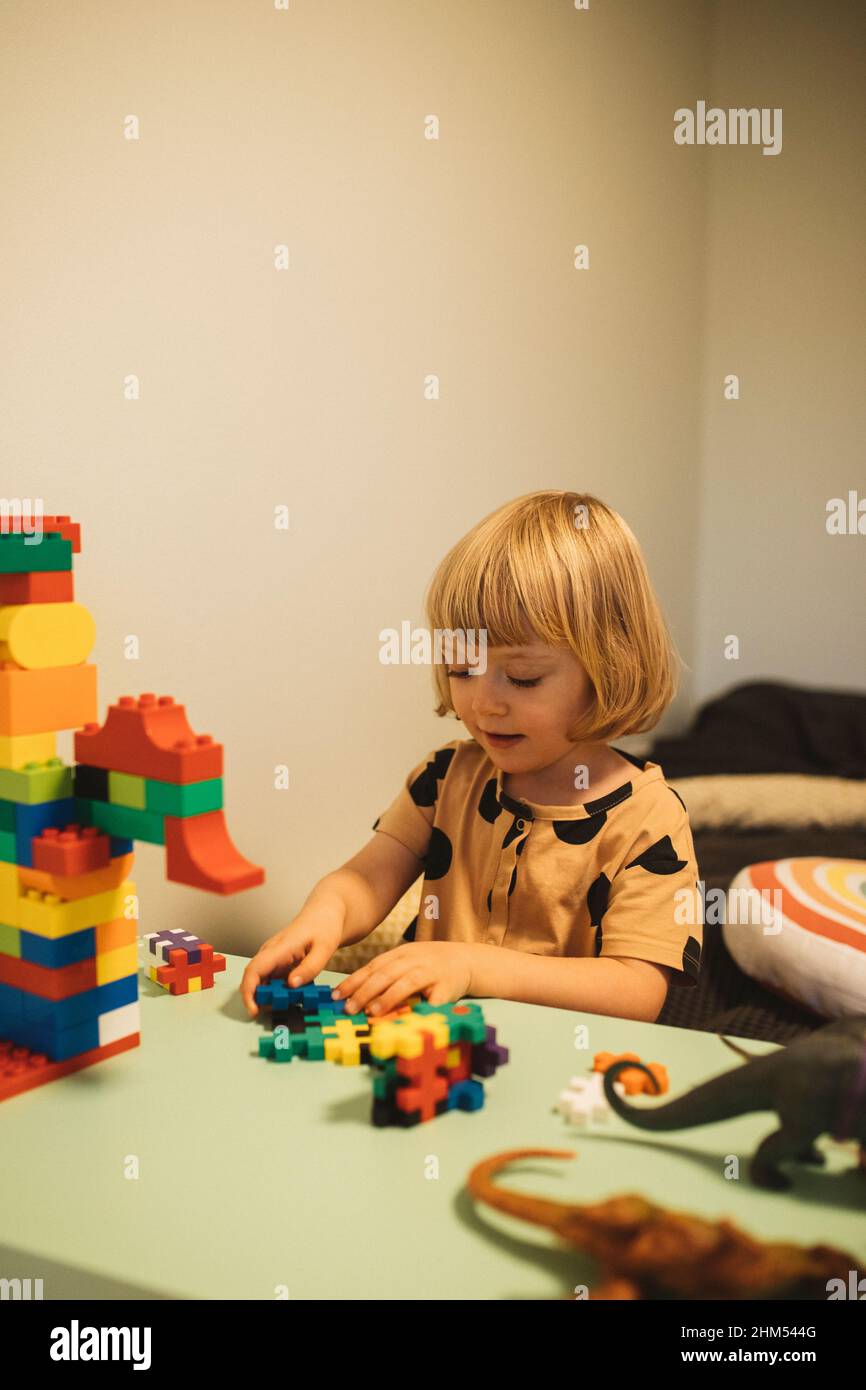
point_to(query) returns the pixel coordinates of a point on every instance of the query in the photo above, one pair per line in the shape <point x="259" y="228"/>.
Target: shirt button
<point x="520" y="824"/>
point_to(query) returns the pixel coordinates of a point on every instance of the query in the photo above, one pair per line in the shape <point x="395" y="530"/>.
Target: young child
<point x="557" y="869"/>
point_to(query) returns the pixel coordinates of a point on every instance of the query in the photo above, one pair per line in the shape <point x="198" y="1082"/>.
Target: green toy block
<point x="315" y="1044"/>
<point x="52" y="552"/>
<point x="34" y="782"/>
<point x="7" y="816"/>
<point x="385" y="1078"/>
<point x="8" y="847"/>
<point x="127" y="822"/>
<point x="184" y="799"/>
<point x="10" y="941"/>
<point x="466" y="1026"/>
<point x="125" y="789"/>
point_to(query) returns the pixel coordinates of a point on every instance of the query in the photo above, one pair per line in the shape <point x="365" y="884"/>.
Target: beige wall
<point x="408" y="257"/>
<point x="786" y="307"/>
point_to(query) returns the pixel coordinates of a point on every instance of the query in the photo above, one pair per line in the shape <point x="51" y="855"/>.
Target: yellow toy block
<point x="39" y="635"/>
<point x="343" y="1042"/>
<point x="18" y="749"/>
<point x="114" y="965"/>
<point x="10" y="896"/>
<point x="194" y="983"/>
<point x="404" y="1036"/>
<point x="125" y="789"/>
<point x="47" y="915"/>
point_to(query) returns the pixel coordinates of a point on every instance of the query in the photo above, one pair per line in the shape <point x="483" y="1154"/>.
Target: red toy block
<point x="22" y="1070"/>
<point x="74" y="850"/>
<point x="199" y="853"/>
<point x="428" y="1086"/>
<point x="149" y="737"/>
<point x="177" y="974"/>
<point x="48" y="981"/>
<point x="38" y="586"/>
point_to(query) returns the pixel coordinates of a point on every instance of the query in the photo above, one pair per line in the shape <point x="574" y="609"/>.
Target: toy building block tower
<point x="68" y="911"/>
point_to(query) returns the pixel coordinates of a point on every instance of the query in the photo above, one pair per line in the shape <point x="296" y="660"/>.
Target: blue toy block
<point x="66" y="950"/>
<point x="466" y="1095"/>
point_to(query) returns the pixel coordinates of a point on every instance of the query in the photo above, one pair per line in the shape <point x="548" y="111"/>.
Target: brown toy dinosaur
<point x="646" y="1251"/>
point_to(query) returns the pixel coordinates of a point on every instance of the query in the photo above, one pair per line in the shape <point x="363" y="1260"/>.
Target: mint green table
<point x="256" y="1175"/>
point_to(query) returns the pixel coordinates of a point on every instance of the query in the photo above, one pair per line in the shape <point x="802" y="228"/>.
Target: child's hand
<point x="306" y="943"/>
<point x="440" y="970"/>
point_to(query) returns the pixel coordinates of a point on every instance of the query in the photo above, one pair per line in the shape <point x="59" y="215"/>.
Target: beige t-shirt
<point x="600" y="879"/>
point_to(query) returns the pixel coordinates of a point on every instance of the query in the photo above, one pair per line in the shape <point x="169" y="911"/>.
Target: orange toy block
<point x="199" y="853"/>
<point x="38" y="586"/>
<point x="75" y="849"/>
<point x="149" y="737"/>
<point x="78" y="885"/>
<point x="111" y="935"/>
<point x="22" y="1070"/>
<point x="635" y="1082"/>
<point x="38" y="702"/>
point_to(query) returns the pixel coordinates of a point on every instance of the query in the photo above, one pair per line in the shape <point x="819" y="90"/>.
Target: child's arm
<point x="617" y="985"/>
<point x="342" y="908"/>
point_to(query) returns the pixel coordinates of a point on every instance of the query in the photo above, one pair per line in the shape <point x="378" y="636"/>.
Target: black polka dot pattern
<point x="437" y="860"/>
<point x="579" y="832"/>
<point x="489" y="807"/>
<point x="425" y="789"/>
<point x="660" y="858"/>
<point x="692" y="958"/>
<point x="597" y="899"/>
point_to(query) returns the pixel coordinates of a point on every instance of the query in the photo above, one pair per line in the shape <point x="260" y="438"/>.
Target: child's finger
<point x="308" y="965"/>
<point x="412" y="982"/>
<point x="263" y="964"/>
<point x="352" y="982"/>
<point x="379" y="977"/>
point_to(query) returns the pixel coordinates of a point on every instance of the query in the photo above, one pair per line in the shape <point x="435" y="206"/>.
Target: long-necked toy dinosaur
<point x="816" y="1085"/>
<point x="645" y="1251"/>
<point x="68" y="910"/>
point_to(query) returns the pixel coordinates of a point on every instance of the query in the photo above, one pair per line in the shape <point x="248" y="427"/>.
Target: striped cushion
<point x="805" y="935"/>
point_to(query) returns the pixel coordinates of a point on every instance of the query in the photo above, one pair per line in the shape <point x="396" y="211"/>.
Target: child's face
<point x="490" y="703"/>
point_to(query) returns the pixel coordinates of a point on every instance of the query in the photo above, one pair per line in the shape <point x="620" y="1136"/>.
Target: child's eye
<point x="459" y="675"/>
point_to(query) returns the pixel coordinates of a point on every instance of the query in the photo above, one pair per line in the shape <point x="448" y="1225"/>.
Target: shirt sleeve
<point x="412" y="813"/>
<point x="654" y="910"/>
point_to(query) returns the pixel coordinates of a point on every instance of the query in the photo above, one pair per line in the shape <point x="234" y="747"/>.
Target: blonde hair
<point x="569" y="568"/>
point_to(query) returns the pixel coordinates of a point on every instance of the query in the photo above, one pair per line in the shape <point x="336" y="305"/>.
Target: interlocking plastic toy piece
<point x="583" y="1101"/>
<point x="150" y="737"/>
<point x="68" y="954"/>
<point x="635" y="1082"/>
<point x="182" y="963"/>
<point x="422" y="1056"/>
<point x="74" y="849"/>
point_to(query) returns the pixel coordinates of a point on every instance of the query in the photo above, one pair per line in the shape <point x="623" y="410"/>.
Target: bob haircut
<point x="565" y="568"/>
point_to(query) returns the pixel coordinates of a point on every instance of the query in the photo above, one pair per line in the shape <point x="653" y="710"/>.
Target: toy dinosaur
<point x="646" y="1251"/>
<point x="68" y="910"/>
<point x="816" y="1085"/>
